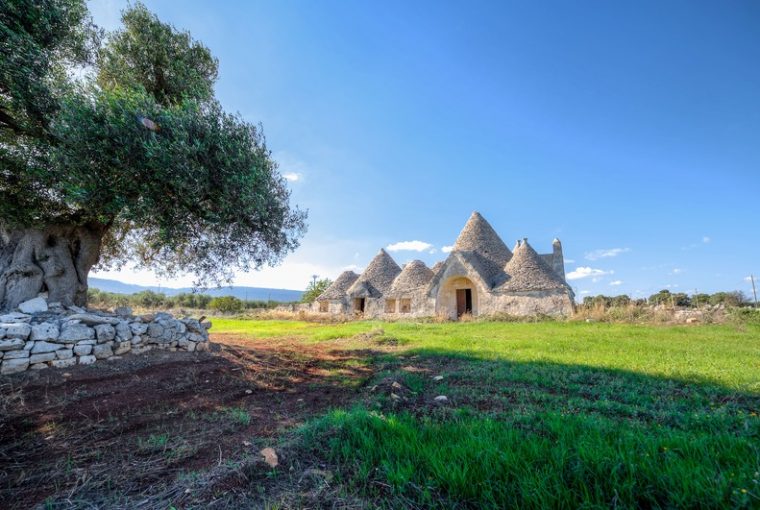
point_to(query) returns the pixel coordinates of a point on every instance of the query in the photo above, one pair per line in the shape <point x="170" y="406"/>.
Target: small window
<point x="406" y="306"/>
<point x="324" y="306"/>
<point x="390" y="306"/>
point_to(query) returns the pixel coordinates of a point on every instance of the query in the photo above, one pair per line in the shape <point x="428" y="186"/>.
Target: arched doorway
<point x="456" y="297"/>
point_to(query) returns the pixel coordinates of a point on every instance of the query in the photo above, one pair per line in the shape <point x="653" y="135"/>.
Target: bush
<point x="226" y="304"/>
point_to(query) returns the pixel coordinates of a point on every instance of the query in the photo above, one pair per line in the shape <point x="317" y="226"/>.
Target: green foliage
<point x="148" y="54"/>
<point x="157" y="300"/>
<point x="226" y="304"/>
<point x="140" y="148"/>
<point x="315" y="289"/>
<point x="665" y="297"/>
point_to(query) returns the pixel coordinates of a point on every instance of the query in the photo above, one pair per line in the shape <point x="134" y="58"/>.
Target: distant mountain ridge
<point x="250" y="293"/>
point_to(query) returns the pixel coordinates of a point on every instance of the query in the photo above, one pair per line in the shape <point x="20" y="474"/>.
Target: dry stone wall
<point x="38" y="336"/>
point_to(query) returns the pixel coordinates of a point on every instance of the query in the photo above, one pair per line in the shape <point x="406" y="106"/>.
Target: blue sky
<point x="630" y="130"/>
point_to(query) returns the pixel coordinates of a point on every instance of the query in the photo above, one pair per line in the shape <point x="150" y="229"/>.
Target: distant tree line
<point x="667" y="298"/>
<point x="190" y="300"/>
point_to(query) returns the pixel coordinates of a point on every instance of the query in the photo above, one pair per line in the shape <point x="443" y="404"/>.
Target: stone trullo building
<point x="481" y="276"/>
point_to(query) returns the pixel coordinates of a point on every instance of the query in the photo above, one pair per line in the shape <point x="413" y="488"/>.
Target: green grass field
<point x="542" y="415"/>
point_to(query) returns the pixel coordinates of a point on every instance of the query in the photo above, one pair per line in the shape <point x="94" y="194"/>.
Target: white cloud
<point x="615" y="283"/>
<point x="585" y="292"/>
<point x="586" y="272"/>
<point x="671" y="286"/>
<point x="706" y="239"/>
<point x="603" y="254"/>
<point x="292" y="176"/>
<point x="410" y="246"/>
<point x="676" y="270"/>
<point x="447" y="249"/>
<point x="569" y="261"/>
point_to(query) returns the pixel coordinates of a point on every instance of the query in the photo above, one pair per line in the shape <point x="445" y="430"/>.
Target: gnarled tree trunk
<point x="54" y="259"/>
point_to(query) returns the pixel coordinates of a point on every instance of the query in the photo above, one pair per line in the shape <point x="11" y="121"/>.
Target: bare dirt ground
<point x="145" y="431"/>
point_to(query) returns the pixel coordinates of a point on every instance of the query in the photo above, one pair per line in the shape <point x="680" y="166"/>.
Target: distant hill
<point x="251" y="293"/>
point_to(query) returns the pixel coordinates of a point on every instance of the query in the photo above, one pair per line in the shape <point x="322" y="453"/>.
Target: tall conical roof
<point x="527" y="271"/>
<point x="437" y="267"/>
<point x="478" y="235"/>
<point x="339" y="287"/>
<point x="414" y="276"/>
<point x="377" y="278"/>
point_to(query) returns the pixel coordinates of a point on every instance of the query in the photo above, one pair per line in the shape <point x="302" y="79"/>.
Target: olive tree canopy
<point x="137" y="161"/>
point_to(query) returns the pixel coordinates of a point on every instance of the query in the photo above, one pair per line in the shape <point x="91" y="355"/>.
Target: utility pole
<point x="754" y="291"/>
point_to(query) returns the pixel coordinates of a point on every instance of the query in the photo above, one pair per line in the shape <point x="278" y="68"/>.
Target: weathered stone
<point x="102" y="351"/>
<point x="82" y="350"/>
<point x="75" y="333"/>
<point x="38" y="366"/>
<point x="114" y="358"/>
<point x="45" y="331"/>
<point x="61" y="363"/>
<point x="123" y="348"/>
<point x="16" y="354"/>
<point x="86" y="342"/>
<point x="11" y="344"/>
<point x="201" y="346"/>
<point x="105" y="332"/>
<point x="136" y="340"/>
<point x="35" y="305"/>
<point x="138" y="328"/>
<point x="155" y="330"/>
<point x="86" y="360"/>
<point x="41" y="358"/>
<point x="64" y="353"/>
<point x="124" y="311"/>
<point x="186" y="344"/>
<point x="77" y="309"/>
<point x="441" y="399"/>
<point x="122" y="331"/>
<point x="40" y="347"/>
<point x="93" y="320"/>
<point x="206" y="325"/>
<point x="15" y="317"/>
<point x="17" y="330"/>
<point x="11" y="366"/>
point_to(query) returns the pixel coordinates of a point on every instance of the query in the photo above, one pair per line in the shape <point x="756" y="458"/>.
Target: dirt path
<point x="110" y="432"/>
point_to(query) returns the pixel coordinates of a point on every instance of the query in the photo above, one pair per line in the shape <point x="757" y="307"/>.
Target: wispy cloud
<point x="615" y="283"/>
<point x="706" y="239"/>
<point x="604" y="254"/>
<point x="410" y="246"/>
<point x="569" y="261"/>
<point x="447" y="249"/>
<point x="292" y="176"/>
<point x="587" y="272"/>
<point x="585" y="292"/>
<point x="676" y="270"/>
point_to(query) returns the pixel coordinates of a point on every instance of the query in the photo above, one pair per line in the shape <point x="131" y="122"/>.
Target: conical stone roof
<point x="527" y="271"/>
<point x="339" y="287"/>
<point x="377" y="278"/>
<point x="437" y="267"/>
<point x="413" y="277"/>
<point x="483" y="248"/>
<point x="478" y="235"/>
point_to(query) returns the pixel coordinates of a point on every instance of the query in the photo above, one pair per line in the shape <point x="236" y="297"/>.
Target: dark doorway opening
<point x="464" y="302"/>
<point x="359" y="305"/>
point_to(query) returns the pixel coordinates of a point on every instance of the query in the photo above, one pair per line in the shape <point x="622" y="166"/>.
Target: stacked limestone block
<point x="39" y="336"/>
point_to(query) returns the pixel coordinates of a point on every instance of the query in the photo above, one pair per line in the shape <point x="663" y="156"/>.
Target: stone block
<point x="16" y="354"/>
<point x="40" y="347"/>
<point x="86" y="360"/>
<point x="105" y="332"/>
<point x="11" y="366"/>
<point x="17" y="330"/>
<point x="41" y="358"/>
<point x="75" y="333"/>
<point x="123" y="348"/>
<point x="64" y="353"/>
<point x="38" y="366"/>
<point x="61" y="363"/>
<point x="35" y="305"/>
<point x="45" y="331"/>
<point x="102" y="351"/>
<point x="123" y="331"/>
<point x="82" y="350"/>
<point x="12" y="344"/>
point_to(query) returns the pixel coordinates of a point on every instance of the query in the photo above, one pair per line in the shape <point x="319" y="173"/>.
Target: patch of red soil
<point x="133" y="425"/>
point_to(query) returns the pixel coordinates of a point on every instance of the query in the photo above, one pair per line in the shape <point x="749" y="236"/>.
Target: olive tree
<point x="137" y="161"/>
